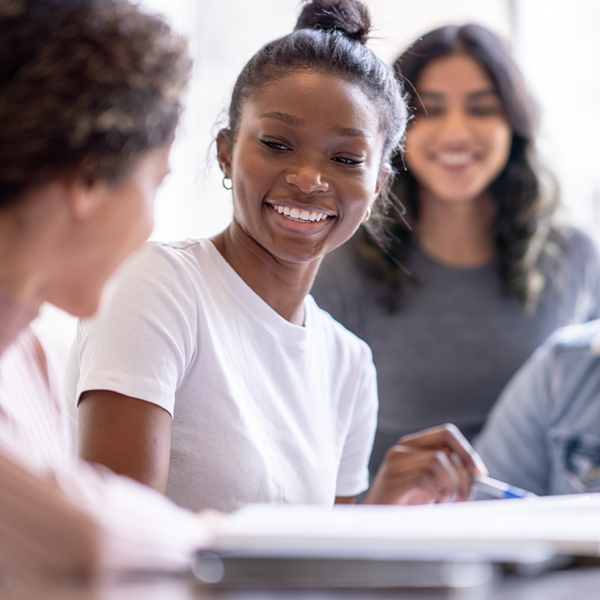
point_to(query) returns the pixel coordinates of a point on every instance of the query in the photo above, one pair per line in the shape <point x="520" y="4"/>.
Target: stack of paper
<point x="501" y="530"/>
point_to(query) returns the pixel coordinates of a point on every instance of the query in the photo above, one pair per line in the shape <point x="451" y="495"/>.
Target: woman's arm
<point x="88" y="520"/>
<point x="42" y="531"/>
<point x="130" y="436"/>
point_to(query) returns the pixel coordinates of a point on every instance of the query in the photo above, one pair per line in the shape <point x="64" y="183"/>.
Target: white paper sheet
<point x="500" y="529"/>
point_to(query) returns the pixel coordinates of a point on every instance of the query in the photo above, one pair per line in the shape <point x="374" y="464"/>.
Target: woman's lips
<point x="454" y="159"/>
<point x="300" y="215"/>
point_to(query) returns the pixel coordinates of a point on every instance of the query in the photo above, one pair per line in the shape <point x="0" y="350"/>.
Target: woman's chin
<point x="82" y="304"/>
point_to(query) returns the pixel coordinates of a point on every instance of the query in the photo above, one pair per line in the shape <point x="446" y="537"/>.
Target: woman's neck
<point x="19" y="273"/>
<point x="30" y="232"/>
<point x="14" y="317"/>
<point x="283" y="285"/>
<point x="456" y="234"/>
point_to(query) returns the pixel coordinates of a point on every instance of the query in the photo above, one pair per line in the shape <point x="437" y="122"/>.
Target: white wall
<point x="223" y="35"/>
<point x="558" y="47"/>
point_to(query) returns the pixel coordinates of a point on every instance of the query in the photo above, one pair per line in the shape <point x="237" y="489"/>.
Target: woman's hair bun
<point x="348" y="16"/>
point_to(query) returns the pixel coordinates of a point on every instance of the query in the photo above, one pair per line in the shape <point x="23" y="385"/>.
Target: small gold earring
<point x="225" y="185"/>
<point x="367" y="214"/>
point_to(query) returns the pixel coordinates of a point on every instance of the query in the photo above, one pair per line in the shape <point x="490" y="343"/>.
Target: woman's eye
<point x="345" y="160"/>
<point x="274" y="145"/>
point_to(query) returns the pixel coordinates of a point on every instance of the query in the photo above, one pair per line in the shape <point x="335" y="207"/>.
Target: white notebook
<point x="501" y="530"/>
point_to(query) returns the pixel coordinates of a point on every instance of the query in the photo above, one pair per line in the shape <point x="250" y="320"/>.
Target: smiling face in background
<point x="305" y="164"/>
<point x="460" y="140"/>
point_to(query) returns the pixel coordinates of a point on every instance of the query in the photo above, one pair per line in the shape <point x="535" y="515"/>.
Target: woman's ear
<point x="224" y="150"/>
<point x="84" y="199"/>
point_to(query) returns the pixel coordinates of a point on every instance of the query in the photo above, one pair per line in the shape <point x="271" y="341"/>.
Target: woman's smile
<point x="295" y="220"/>
<point x="301" y="215"/>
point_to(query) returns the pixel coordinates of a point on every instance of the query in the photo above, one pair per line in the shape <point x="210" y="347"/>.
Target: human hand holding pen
<point x="434" y="465"/>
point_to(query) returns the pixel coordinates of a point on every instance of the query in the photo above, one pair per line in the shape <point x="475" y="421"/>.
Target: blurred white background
<point x="554" y="41"/>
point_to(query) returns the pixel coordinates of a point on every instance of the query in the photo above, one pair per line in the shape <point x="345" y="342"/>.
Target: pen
<point x="499" y="489"/>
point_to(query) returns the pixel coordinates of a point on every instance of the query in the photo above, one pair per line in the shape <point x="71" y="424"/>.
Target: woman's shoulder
<point x="178" y="251"/>
<point x="157" y="259"/>
<point x="160" y="274"/>
<point x="574" y="243"/>
<point x="578" y="337"/>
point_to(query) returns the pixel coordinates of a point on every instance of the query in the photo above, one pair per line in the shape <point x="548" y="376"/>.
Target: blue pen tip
<point x="509" y="494"/>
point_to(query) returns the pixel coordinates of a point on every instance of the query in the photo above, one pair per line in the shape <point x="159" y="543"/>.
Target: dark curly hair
<point x="525" y="196"/>
<point x="329" y="36"/>
<point x="86" y="88"/>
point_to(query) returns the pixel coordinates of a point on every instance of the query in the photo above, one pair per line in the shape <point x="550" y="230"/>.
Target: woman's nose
<point x="455" y="124"/>
<point x="307" y="178"/>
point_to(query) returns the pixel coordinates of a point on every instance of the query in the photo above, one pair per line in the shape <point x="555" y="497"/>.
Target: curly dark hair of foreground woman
<point x="525" y="197"/>
<point x="86" y="88"/>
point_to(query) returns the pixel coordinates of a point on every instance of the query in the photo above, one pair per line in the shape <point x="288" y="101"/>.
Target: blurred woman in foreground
<point x="90" y="96"/>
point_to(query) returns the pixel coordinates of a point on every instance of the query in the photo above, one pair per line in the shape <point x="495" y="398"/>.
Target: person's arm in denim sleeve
<point x="513" y="441"/>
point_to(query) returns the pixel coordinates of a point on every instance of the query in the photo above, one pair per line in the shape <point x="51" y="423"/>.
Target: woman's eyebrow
<point x="296" y="122"/>
<point x="431" y="95"/>
<point x="476" y="95"/>
<point x="352" y="132"/>
<point x="488" y="93"/>
<point x="283" y="117"/>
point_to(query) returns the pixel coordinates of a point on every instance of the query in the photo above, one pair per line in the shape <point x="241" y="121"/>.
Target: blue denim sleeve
<point x="513" y="441"/>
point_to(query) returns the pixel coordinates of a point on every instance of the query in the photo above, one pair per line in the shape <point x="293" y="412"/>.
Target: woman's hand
<point x="434" y="465"/>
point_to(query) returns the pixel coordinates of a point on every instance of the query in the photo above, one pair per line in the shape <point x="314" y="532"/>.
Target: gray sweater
<point x="457" y="340"/>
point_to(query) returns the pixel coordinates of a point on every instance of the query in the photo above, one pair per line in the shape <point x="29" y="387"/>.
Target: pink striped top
<point x="57" y="515"/>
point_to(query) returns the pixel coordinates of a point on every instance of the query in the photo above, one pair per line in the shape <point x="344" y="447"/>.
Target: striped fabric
<point x="60" y="516"/>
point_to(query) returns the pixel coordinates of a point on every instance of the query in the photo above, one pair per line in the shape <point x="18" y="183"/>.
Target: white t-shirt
<point x="263" y="410"/>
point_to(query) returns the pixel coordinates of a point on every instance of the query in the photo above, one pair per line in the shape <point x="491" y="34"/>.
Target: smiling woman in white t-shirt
<point x="212" y="374"/>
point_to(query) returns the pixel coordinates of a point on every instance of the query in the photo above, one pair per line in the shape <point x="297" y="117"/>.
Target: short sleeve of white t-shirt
<point x="263" y="410"/>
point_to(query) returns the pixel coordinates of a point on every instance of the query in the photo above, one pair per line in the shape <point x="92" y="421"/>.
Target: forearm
<point x="139" y="528"/>
<point x="85" y="521"/>
<point x="42" y="530"/>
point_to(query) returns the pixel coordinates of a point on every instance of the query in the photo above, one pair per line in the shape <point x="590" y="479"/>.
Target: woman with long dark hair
<point x="455" y="284"/>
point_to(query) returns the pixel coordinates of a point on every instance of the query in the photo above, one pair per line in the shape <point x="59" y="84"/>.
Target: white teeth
<point x="300" y="215"/>
<point x="454" y="159"/>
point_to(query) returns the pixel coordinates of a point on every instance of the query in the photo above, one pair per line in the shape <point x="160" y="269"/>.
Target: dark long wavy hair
<point x="524" y="195"/>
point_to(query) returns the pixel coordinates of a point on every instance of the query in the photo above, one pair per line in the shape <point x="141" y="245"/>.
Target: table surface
<point x="580" y="583"/>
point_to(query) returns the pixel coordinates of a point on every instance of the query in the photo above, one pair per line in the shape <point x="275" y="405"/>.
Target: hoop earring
<point x="224" y="185"/>
<point x="367" y="214"/>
